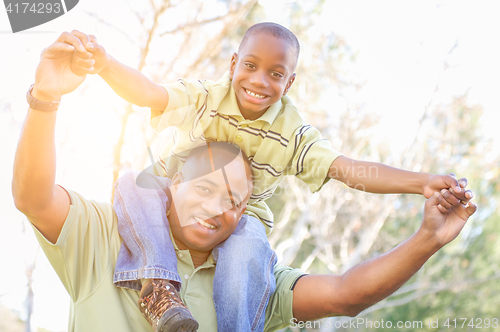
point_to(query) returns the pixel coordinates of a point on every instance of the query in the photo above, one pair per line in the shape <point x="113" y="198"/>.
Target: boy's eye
<point x="249" y="65"/>
<point x="277" y="75"/>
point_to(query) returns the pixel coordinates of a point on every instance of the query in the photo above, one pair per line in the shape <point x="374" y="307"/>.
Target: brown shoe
<point x="163" y="308"/>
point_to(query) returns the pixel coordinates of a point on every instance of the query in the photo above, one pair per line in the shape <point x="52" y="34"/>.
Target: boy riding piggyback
<point x="248" y="106"/>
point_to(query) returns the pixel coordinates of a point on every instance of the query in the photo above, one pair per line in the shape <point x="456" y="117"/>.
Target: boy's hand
<point x="99" y="55"/>
<point x="436" y="183"/>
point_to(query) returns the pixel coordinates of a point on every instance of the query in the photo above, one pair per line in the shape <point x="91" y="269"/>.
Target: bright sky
<point x="400" y="50"/>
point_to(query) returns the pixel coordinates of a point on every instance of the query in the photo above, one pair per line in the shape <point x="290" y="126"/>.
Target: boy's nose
<point x="259" y="80"/>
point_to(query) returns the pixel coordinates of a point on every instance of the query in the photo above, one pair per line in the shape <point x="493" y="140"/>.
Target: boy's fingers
<point x="460" y="195"/>
<point x="469" y="194"/>
<point x="93" y="39"/>
<point x="463" y="182"/>
<point x="451" y="181"/>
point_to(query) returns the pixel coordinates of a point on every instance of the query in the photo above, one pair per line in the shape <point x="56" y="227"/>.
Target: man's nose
<point x="212" y="206"/>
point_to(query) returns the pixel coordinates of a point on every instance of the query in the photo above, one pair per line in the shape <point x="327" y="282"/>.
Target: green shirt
<point x="84" y="258"/>
<point x="279" y="143"/>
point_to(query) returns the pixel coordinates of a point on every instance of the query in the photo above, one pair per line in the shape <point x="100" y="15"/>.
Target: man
<point x="81" y="240"/>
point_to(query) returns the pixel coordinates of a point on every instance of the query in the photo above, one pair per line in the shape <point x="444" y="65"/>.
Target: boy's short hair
<point x="275" y="30"/>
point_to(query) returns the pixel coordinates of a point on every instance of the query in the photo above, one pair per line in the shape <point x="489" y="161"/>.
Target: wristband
<point x="39" y="105"/>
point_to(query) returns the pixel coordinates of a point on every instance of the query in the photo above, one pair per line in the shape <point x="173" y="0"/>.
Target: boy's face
<point x="261" y="73"/>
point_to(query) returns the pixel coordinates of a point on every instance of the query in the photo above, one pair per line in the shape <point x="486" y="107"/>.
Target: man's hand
<point x="99" y="54"/>
<point x="443" y="220"/>
<point x="54" y="76"/>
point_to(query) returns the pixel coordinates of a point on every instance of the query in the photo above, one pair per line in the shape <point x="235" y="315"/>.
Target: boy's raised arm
<point x="382" y="179"/>
<point x="127" y="82"/>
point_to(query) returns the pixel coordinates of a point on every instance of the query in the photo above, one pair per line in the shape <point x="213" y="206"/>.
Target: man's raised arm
<point x="33" y="185"/>
<point x="318" y="296"/>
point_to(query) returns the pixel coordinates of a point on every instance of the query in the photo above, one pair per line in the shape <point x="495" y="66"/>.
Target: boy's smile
<point x="261" y="73"/>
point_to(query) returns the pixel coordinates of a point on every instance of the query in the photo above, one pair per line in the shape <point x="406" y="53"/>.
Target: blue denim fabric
<point x="244" y="274"/>
<point x="244" y="277"/>
<point x="147" y="251"/>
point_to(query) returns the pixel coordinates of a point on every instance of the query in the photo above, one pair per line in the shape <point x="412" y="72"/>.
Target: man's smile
<point x="204" y="224"/>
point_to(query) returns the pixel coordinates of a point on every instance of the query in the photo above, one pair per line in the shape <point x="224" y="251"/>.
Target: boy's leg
<point x="147" y="251"/>
<point x="244" y="277"/>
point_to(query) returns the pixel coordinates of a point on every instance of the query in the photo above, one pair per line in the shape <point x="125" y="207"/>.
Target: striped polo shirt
<point x="278" y="143"/>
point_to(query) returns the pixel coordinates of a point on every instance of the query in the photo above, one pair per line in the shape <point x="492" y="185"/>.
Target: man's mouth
<point x="255" y="95"/>
<point x="204" y="224"/>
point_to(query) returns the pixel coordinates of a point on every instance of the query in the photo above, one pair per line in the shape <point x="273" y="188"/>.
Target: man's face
<point x="261" y="73"/>
<point x="207" y="209"/>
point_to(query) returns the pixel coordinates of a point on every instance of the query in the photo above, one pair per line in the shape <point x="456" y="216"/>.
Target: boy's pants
<point x="244" y="274"/>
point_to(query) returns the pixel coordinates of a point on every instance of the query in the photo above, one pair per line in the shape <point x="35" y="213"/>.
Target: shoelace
<point x="159" y="301"/>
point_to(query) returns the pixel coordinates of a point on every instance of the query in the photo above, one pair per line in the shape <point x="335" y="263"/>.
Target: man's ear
<point x="234" y="59"/>
<point x="289" y="84"/>
<point x="176" y="180"/>
<point x="242" y="211"/>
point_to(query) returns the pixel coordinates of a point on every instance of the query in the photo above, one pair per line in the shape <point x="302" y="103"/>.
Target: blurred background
<point x="410" y="84"/>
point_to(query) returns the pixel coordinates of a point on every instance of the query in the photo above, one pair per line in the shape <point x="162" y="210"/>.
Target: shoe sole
<point x="180" y="320"/>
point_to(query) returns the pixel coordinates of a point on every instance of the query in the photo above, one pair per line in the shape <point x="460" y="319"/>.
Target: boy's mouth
<point x="254" y="95"/>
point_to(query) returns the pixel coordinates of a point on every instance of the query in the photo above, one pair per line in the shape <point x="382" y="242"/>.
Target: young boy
<point x="248" y="107"/>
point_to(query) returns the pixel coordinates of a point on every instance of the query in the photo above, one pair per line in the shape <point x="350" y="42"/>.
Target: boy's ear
<point x="234" y="59"/>
<point x="289" y="84"/>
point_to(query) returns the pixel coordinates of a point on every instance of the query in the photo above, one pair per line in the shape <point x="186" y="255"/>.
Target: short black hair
<point x="199" y="162"/>
<point x="211" y="157"/>
<point x="275" y="30"/>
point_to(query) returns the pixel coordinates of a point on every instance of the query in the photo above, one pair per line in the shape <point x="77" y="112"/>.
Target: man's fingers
<point x="450" y="198"/>
<point x="442" y="209"/>
<point x="85" y="63"/>
<point x="57" y="46"/>
<point x="80" y="71"/>
<point x="93" y="39"/>
<point x="84" y="39"/>
<point x="470" y="209"/>
<point x="70" y="39"/>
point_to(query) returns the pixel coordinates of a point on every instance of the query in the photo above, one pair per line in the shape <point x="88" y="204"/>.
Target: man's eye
<point x="249" y="65"/>
<point x="203" y="189"/>
<point x="232" y="204"/>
